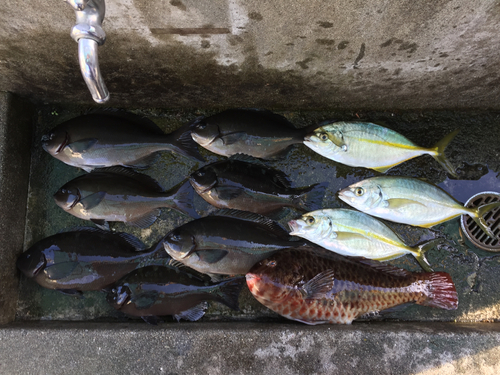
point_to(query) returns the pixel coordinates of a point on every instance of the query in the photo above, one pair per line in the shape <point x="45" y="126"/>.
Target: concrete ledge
<point x="16" y="128"/>
<point x="240" y="347"/>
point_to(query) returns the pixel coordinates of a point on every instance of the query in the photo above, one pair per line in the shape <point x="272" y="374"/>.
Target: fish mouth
<point x="346" y="195"/>
<point x="295" y="227"/>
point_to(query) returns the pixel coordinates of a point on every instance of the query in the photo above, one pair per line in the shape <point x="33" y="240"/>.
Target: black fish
<point x="255" y="132"/>
<point x="157" y="291"/>
<point x="86" y="259"/>
<point x="115" y="138"/>
<point x="251" y="186"/>
<point x="229" y="242"/>
<point x="120" y="194"/>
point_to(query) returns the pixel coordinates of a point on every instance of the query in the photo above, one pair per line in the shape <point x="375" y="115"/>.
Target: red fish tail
<point x="441" y="291"/>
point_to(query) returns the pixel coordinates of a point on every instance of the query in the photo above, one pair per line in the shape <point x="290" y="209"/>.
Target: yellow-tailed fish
<point x="410" y="201"/>
<point x="363" y="144"/>
<point x="353" y="233"/>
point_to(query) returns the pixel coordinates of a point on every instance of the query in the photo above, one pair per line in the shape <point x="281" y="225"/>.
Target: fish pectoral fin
<point x="228" y="193"/>
<point x="319" y="285"/>
<point x="398" y="203"/>
<point x="82" y="145"/>
<point x="145" y="221"/>
<point x="145" y="300"/>
<point x="211" y="256"/>
<point x="61" y="270"/>
<point x="92" y="200"/>
<point x="71" y="292"/>
<point x="347" y="236"/>
<point x="151" y="319"/>
<point x="193" y="314"/>
<point x="232" y="138"/>
<point x="101" y="223"/>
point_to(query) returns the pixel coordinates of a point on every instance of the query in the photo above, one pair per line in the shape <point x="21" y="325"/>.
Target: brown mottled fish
<point x="316" y="287"/>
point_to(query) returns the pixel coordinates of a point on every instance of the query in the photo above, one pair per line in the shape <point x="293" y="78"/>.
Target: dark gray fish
<point x="151" y="292"/>
<point x="115" y="138"/>
<point x="229" y="242"/>
<point x="251" y="186"/>
<point x="255" y="132"/>
<point x="120" y="194"/>
<point x="86" y="259"/>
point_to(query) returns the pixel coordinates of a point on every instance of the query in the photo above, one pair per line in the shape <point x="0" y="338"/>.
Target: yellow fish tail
<point x="441" y="157"/>
<point x="420" y="256"/>
<point x="479" y="212"/>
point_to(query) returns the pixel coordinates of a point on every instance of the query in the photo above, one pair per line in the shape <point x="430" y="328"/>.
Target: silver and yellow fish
<point x="410" y="201"/>
<point x="363" y="144"/>
<point x="353" y="233"/>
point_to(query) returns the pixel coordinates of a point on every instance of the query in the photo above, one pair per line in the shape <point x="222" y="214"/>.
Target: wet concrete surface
<point x="474" y="152"/>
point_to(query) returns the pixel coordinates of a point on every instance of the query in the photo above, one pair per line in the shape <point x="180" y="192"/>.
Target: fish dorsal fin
<point x="132" y="240"/>
<point x="271" y="115"/>
<point x="192" y="314"/>
<point x="82" y="229"/>
<point x="280" y="178"/>
<point x="382" y="267"/>
<point x="145" y="180"/>
<point x="319" y="285"/>
<point x="128" y="116"/>
<point x="179" y="266"/>
<point x="246" y="158"/>
<point x="254" y="218"/>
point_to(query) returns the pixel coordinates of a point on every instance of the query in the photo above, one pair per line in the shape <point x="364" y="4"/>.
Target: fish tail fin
<point x="228" y="292"/>
<point x="181" y="142"/>
<point x="440" y="292"/>
<point x="479" y="213"/>
<point x="182" y="197"/>
<point x="311" y="198"/>
<point x="441" y="157"/>
<point x="422" y="249"/>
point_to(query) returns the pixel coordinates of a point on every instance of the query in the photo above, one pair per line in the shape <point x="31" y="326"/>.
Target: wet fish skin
<point x="364" y="144"/>
<point x="229" y="242"/>
<point x="250" y="186"/>
<point x="86" y="259"/>
<point x="110" y="138"/>
<point x="151" y="292"/>
<point x="316" y="287"/>
<point x="255" y="132"/>
<point x="411" y="201"/>
<point x="353" y="233"/>
<point x="120" y="194"/>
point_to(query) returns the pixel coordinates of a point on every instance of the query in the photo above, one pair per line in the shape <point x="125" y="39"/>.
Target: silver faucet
<point x="89" y="34"/>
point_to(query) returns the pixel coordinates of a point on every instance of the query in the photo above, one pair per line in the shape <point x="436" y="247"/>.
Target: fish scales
<point x="357" y="288"/>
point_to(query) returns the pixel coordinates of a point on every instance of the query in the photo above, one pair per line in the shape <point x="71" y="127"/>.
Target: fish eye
<point x="271" y="263"/>
<point x="310" y="220"/>
<point x="200" y="174"/>
<point x="201" y="125"/>
<point x="323" y="137"/>
<point x="359" y="191"/>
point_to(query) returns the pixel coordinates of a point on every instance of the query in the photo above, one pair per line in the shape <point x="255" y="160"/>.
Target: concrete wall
<point x="277" y="54"/>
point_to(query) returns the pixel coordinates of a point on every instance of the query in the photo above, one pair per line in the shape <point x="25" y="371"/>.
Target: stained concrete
<point x="16" y="126"/>
<point x="280" y="54"/>
<point x="250" y="348"/>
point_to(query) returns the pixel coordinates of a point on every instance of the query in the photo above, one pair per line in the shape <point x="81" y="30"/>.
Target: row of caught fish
<point x="118" y="138"/>
<point x="298" y="280"/>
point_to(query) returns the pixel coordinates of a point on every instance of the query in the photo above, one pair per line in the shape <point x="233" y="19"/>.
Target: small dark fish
<point x="255" y="132"/>
<point x="115" y="138"/>
<point x="316" y="286"/>
<point x="151" y="292"/>
<point x="229" y="242"/>
<point x="86" y="259"/>
<point x="120" y="194"/>
<point x="251" y="186"/>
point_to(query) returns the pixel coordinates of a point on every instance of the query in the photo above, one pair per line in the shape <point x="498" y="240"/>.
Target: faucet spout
<point x="89" y="35"/>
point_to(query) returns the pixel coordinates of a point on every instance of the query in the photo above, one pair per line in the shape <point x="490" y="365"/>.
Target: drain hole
<point x="473" y="232"/>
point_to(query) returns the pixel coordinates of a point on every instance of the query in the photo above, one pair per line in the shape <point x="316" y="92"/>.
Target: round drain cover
<point x="473" y="232"/>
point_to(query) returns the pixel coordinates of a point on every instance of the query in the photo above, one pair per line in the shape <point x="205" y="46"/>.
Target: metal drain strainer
<point x="473" y="232"/>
